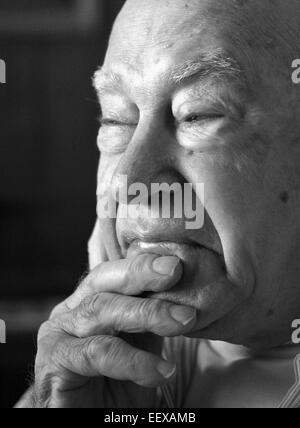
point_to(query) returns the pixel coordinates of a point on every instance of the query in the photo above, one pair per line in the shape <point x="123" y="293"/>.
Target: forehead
<point x="153" y="35"/>
<point x="159" y="21"/>
<point x="150" y="37"/>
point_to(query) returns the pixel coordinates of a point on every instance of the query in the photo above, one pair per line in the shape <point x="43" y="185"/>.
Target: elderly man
<point x="191" y="91"/>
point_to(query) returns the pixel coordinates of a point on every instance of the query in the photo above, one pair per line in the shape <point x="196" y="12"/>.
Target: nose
<point x="149" y="159"/>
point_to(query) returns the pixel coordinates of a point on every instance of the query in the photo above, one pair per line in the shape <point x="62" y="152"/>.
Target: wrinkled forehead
<point x="149" y="29"/>
<point x="159" y="22"/>
<point x="150" y="37"/>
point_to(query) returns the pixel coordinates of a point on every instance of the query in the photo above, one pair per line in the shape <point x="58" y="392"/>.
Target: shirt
<point x="221" y="375"/>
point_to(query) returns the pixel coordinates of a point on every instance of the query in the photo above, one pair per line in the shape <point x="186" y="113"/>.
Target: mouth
<point x="202" y="259"/>
<point x="205" y="284"/>
<point x="162" y="248"/>
<point x="165" y="238"/>
<point x="200" y="252"/>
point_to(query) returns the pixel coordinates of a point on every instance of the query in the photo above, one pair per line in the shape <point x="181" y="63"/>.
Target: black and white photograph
<point x="150" y="207"/>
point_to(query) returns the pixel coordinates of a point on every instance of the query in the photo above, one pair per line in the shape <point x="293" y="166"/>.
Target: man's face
<point x="200" y="92"/>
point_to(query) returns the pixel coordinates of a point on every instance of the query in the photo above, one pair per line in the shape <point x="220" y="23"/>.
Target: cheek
<point x="106" y="170"/>
<point x="230" y="204"/>
<point x="228" y="193"/>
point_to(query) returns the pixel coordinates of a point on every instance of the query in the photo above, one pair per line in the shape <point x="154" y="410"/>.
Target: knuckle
<point x="47" y="329"/>
<point x="140" y="274"/>
<point x="111" y="349"/>
<point x="89" y="314"/>
<point x="80" y="327"/>
<point x="56" y="311"/>
<point x="43" y="331"/>
<point x="75" y="325"/>
<point x="140" y="367"/>
<point x="150" y="309"/>
<point x="71" y="324"/>
<point x="60" y="354"/>
<point x="91" y="306"/>
<point x="137" y="265"/>
<point x="90" y="350"/>
<point x="101" y="349"/>
<point x="64" y="354"/>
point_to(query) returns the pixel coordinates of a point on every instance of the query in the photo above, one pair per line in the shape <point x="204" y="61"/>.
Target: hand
<point x="82" y="360"/>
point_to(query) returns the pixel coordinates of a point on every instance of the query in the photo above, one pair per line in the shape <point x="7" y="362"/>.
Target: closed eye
<point x="113" y="122"/>
<point x="203" y="117"/>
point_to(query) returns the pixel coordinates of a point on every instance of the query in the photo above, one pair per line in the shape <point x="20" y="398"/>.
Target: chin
<point x="203" y="286"/>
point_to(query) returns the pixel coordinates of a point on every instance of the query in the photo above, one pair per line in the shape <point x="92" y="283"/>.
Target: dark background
<point x="48" y="161"/>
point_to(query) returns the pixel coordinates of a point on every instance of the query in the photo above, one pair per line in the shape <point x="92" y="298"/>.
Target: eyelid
<point x="199" y="117"/>
<point x="208" y="110"/>
<point x="107" y="121"/>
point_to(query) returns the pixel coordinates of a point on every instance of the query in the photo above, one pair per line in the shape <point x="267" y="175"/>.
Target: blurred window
<point x="44" y="16"/>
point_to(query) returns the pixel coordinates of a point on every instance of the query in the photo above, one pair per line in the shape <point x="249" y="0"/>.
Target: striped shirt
<point x="220" y="375"/>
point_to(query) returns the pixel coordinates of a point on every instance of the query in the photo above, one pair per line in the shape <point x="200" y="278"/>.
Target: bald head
<point x="269" y="17"/>
<point x="267" y="26"/>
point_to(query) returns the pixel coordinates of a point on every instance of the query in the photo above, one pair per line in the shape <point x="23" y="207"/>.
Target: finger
<point x="146" y="272"/>
<point x="109" y="238"/>
<point x="111" y="314"/>
<point x="96" y="249"/>
<point x="113" y="358"/>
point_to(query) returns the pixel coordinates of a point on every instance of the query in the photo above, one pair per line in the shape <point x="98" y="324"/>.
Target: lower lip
<point x="165" y="248"/>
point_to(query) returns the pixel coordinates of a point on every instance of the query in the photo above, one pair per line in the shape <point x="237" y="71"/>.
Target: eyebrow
<point x="211" y="64"/>
<point x="216" y="64"/>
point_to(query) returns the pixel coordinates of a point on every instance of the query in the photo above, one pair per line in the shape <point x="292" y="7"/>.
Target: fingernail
<point x="166" y="265"/>
<point x="183" y="314"/>
<point x="167" y="370"/>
